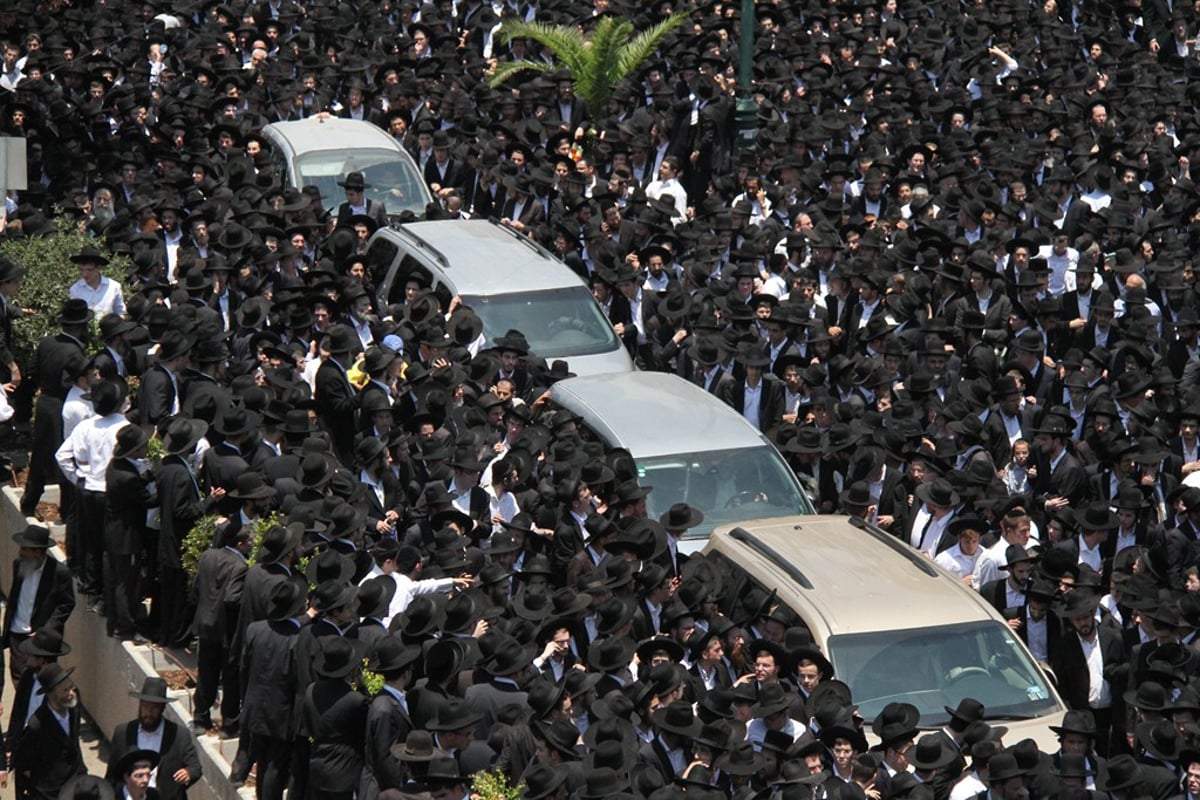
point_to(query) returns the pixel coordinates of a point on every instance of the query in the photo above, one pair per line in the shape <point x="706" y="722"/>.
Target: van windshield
<point x="942" y="665"/>
<point x="727" y="485"/>
<point x="392" y="181"/>
<point x="558" y="323"/>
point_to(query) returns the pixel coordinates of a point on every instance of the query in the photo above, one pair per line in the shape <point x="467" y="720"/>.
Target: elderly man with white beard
<point x="41" y="595"/>
<point x="48" y="754"/>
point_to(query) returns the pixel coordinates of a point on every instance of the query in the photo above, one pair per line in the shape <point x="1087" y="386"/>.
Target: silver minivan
<point x="321" y="150"/>
<point x="688" y="445"/>
<point x="510" y="281"/>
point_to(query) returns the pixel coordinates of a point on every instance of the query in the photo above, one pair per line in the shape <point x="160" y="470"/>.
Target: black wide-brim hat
<point x="35" y="536"/>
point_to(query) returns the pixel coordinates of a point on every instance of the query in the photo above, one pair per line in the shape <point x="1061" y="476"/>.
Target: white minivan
<point x="321" y="150"/>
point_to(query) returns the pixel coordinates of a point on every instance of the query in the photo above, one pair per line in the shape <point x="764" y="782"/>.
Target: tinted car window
<point x="727" y="485"/>
<point x="559" y="323"/>
<point x="942" y="665"/>
<point x="390" y="181"/>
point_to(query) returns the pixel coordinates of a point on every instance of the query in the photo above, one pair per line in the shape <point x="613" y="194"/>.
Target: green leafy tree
<point x="49" y="275"/>
<point x="597" y="62"/>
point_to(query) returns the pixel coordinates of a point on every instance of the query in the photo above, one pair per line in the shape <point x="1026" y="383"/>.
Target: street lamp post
<point x="745" y="114"/>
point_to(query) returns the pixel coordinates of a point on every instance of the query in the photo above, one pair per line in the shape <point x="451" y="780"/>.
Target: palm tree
<point x="597" y="63"/>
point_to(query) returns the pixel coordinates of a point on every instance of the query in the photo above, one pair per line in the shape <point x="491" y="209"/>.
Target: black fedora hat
<point x="134" y="756"/>
<point x="1160" y="739"/>
<point x="939" y="492"/>
<point x="510" y="658"/>
<point x="895" y="718"/>
<point x="34" y="536"/>
<point x="250" y="486"/>
<point x="454" y="715"/>
<point x="391" y="654"/>
<point x="277" y="541"/>
<point x="86" y="787"/>
<point x="130" y="439"/>
<point x="771" y="700"/>
<point x="182" y="435"/>
<point x="329" y="566"/>
<point x="930" y="753"/>
<point x="46" y="642"/>
<point x="1077" y="721"/>
<point x="610" y="654"/>
<point x="677" y="717"/>
<point x="74" y="312"/>
<point x="52" y="675"/>
<point x="375" y="596"/>
<point x="288" y="600"/>
<point x="154" y="690"/>
<point x="542" y="780"/>
<point x="1123" y="773"/>
<point x="681" y="516"/>
<point x="90" y="254"/>
<point x="354" y="180"/>
<point x="339" y="657"/>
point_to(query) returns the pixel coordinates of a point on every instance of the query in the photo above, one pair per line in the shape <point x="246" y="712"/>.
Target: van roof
<point x="817" y="562"/>
<point x="332" y="133"/>
<point x="629" y="410"/>
<point x="482" y="257"/>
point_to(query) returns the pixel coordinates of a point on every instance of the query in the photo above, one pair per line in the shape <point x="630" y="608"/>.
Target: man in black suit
<point x="388" y="721"/>
<point x="337" y="400"/>
<point x="1061" y="480"/>
<point x="182" y="503"/>
<point x="178" y="765"/>
<point x="1009" y="592"/>
<point x="47" y="370"/>
<point x="357" y="203"/>
<point x="45" y="647"/>
<point x="268" y="673"/>
<point x="510" y="665"/>
<point x="129" y="492"/>
<point x="159" y="394"/>
<point x="443" y="173"/>
<point x="1083" y="686"/>
<point x="48" y="755"/>
<point x="42" y="594"/>
<point x="218" y="589"/>
<point x="334" y="717"/>
<point x="751" y="391"/>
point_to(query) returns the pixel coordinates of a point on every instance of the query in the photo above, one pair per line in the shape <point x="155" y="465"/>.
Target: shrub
<point x="49" y="275"/>
<point x="494" y="785"/>
<point x="198" y="540"/>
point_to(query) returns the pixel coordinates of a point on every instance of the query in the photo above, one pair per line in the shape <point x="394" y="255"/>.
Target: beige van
<point x="895" y="626"/>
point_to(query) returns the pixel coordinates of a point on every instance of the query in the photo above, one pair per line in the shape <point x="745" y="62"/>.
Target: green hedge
<point x="50" y="273"/>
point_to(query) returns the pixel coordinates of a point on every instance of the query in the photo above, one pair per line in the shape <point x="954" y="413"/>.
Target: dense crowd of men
<point x="952" y="279"/>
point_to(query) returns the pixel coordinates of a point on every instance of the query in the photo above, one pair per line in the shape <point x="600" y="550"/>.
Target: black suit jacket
<point x="47" y="756"/>
<point x="374" y="210"/>
<point x="178" y="751"/>
<point x="335" y="716"/>
<point x="1068" y="663"/>
<point x="732" y="390"/>
<point x="127" y="495"/>
<point x="179" y="497"/>
<point x="456" y="175"/>
<point x="337" y="405"/>
<point x="218" y="587"/>
<point x="387" y="723"/>
<point x="269" y="679"/>
<point x="52" y="603"/>
<point x="156" y="395"/>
